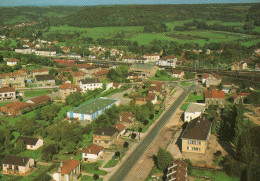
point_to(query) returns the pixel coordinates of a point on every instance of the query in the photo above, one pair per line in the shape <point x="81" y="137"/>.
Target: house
<point x="92" y="153"/>
<point x="40" y="72"/>
<point x="15" y="108"/>
<point x="77" y="76"/>
<point x="140" y="100"/>
<point x="127" y="119"/>
<point x="152" y="57"/>
<point x="116" y="85"/>
<point x="134" y="59"/>
<point x="196" y="135"/>
<point x="177" y="171"/>
<point x="90" y="84"/>
<point x="152" y="97"/>
<point x="92" y="109"/>
<point x="229" y="87"/>
<point x="39" y="100"/>
<point x="144" y="70"/>
<point x="157" y="90"/>
<point x="101" y="75"/>
<point x="7" y="93"/>
<point x="193" y="111"/>
<point x="235" y="98"/>
<point x="66" y="89"/>
<point x="31" y="143"/>
<point x="69" y="171"/>
<point x="211" y="79"/>
<point x="132" y="76"/>
<point x="12" y="62"/>
<point x="24" y="51"/>
<point x="45" y="80"/>
<point x="214" y="97"/>
<point x="167" y="61"/>
<point x="239" y="66"/>
<point x="121" y="128"/>
<point x="14" y="79"/>
<point x="18" y="165"/>
<point x="45" y="53"/>
<point x="105" y="136"/>
<point x="178" y="74"/>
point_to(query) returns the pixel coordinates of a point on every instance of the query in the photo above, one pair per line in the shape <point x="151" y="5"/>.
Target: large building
<point x="90" y="84"/>
<point x="196" y="135"/>
<point x="92" y="109"/>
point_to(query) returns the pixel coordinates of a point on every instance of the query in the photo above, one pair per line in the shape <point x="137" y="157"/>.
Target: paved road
<point x="137" y="153"/>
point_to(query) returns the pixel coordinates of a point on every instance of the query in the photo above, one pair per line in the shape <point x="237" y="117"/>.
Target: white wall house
<point x="90" y="84"/>
<point x="92" y="109"/>
<point x="45" y="53"/>
<point x="193" y="111"/>
<point x="70" y="171"/>
<point x="12" y="62"/>
<point x="7" y="93"/>
<point x="31" y="143"/>
<point x="92" y="152"/>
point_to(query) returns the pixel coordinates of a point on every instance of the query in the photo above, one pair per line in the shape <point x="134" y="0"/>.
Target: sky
<point x="111" y="2"/>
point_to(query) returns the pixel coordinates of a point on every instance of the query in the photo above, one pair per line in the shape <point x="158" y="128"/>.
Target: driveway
<point x="120" y="95"/>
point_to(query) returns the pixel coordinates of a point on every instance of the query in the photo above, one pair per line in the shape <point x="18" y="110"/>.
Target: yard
<point x="184" y="84"/>
<point x="213" y="175"/>
<point x="111" y="163"/>
<point x="184" y="106"/>
<point x="89" y="178"/>
<point x="93" y="168"/>
<point x="34" y="93"/>
<point x="195" y="98"/>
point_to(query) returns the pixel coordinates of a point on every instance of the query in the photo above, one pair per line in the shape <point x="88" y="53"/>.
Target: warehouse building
<point x="92" y="109"/>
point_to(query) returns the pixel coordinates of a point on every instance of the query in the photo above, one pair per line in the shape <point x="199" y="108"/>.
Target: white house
<point x="45" y="53"/>
<point x="193" y="111"/>
<point x="90" y="84"/>
<point x="70" y="171"/>
<point x="24" y="51"/>
<point x="7" y="93"/>
<point x="167" y="61"/>
<point x="31" y="143"/>
<point x="12" y="62"/>
<point x="92" y="109"/>
<point x="152" y="57"/>
<point x="178" y="73"/>
<point x="92" y="152"/>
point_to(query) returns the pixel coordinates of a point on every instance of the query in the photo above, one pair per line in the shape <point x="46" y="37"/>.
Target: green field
<point x="93" y="168"/>
<point x="111" y="163"/>
<point x="213" y="175"/>
<point x="34" y="93"/>
<point x="89" y="178"/>
<point x="195" y="98"/>
<point x="135" y="33"/>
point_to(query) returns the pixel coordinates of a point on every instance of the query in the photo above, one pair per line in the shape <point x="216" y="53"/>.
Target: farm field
<point x="135" y="33"/>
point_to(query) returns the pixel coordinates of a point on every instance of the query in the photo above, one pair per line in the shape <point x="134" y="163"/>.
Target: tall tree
<point x="164" y="158"/>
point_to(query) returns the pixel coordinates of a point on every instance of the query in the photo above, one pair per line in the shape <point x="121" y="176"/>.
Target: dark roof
<point x="44" y="77"/>
<point x="109" y="131"/>
<point x="16" y="160"/>
<point x="90" y="81"/>
<point x="197" y="129"/>
<point x="27" y="140"/>
<point x="7" y="89"/>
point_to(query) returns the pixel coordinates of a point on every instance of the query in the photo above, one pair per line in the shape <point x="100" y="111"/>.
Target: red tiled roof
<point x="93" y="149"/>
<point x="40" y="99"/>
<point x="13" y="60"/>
<point x="157" y="83"/>
<point x="101" y="72"/>
<point x="177" y="71"/>
<point x="151" y="96"/>
<point x="126" y="114"/>
<point x="155" y="88"/>
<point x="68" y="86"/>
<point x="40" y="70"/>
<point x="78" y="74"/>
<point x="244" y="94"/>
<point x="119" y="126"/>
<point x="204" y="76"/>
<point x="17" y="105"/>
<point x="217" y="76"/>
<point x="69" y="166"/>
<point x="213" y="87"/>
<point x="7" y="89"/>
<point x="214" y="94"/>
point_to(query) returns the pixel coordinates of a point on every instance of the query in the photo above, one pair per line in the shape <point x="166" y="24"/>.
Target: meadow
<point x="135" y="33"/>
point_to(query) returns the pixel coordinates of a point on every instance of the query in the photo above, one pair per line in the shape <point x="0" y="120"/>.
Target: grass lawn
<point x="34" y="93"/>
<point x="154" y="170"/>
<point x="184" y="84"/>
<point x="35" y="154"/>
<point x="145" y="127"/>
<point x="213" y="175"/>
<point x="184" y="106"/>
<point x="195" y="98"/>
<point x="111" y="163"/>
<point x="93" y="168"/>
<point x="89" y="178"/>
<point x="3" y="103"/>
<point x="173" y="92"/>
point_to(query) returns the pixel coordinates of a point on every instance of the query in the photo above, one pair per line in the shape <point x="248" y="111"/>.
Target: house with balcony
<point x="45" y="80"/>
<point x="105" y="136"/>
<point x="17" y="165"/>
<point x="177" y="171"/>
<point x="69" y="171"/>
<point x="7" y="93"/>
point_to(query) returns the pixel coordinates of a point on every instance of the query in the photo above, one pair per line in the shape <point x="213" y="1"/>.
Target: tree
<point x="20" y="146"/>
<point x="75" y="99"/>
<point x="49" y="151"/>
<point x="126" y="144"/>
<point x="164" y="158"/>
<point x="239" y="125"/>
<point x="74" y="69"/>
<point x="220" y="86"/>
<point x="95" y="176"/>
<point x="53" y="71"/>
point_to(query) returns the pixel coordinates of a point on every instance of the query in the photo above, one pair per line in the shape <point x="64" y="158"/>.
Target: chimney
<point x="103" y="133"/>
<point x="61" y="164"/>
<point x="89" y="151"/>
<point x="120" y="117"/>
<point x="59" y="169"/>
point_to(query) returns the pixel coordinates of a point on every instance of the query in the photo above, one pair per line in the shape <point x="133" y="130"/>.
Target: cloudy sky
<point x="106" y="2"/>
